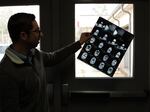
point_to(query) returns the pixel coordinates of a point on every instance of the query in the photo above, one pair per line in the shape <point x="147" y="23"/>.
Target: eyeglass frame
<point x="37" y="31"/>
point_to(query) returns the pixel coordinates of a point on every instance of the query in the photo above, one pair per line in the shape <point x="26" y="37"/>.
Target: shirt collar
<point x="19" y="58"/>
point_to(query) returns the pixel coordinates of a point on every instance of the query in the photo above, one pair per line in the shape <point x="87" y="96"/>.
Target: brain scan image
<point x="84" y="55"/>
<point x="107" y="46"/>
<point x="101" y="45"/>
<point x="92" y="40"/>
<point x="114" y="62"/>
<point x="104" y="37"/>
<point x="118" y="55"/>
<point x="96" y="32"/>
<point x="105" y="58"/>
<point x="93" y="60"/>
<point x="109" y="50"/>
<point x="88" y="47"/>
<point x="106" y="28"/>
<point x="101" y="65"/>
<point x="110" y="70"/>
<point x="97" y="52"/>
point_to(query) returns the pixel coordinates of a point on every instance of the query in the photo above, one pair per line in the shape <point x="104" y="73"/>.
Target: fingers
<point x="84" y="37"/>
<point x="86" y="34"/>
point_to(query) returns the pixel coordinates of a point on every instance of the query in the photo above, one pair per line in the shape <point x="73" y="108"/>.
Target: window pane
<point x="86" y="16"/>
<point x="5" y="13"/>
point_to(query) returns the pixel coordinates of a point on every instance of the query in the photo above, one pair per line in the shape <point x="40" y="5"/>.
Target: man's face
<point x="35" y="35"/>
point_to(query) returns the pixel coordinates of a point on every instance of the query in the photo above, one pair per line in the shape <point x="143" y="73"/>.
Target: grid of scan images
<point x="106" y="47"/>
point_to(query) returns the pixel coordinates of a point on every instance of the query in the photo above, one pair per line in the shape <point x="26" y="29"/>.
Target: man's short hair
<point x="19" y="22"/>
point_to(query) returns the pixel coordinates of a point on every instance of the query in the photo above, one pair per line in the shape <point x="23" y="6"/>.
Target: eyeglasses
<point x="37" y="31"/>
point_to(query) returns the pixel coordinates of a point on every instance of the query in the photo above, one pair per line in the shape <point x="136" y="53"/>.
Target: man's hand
<point x="84" y="37"/>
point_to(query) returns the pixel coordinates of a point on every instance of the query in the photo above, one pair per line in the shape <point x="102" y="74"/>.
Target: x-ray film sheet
<point x="106" y="47"/>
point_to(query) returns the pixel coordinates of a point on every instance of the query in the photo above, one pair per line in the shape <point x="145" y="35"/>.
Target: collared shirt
<point x="19" y="58"/>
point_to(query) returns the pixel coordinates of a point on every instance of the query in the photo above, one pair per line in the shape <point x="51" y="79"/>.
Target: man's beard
<point x="34" y="45"/>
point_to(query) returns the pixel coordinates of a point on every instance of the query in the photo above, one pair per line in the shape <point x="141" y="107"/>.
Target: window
<point x="5" y="13"/>
<point x="86" y="16"/>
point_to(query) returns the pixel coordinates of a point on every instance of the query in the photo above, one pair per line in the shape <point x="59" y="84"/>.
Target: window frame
<point x="140" y="73"/>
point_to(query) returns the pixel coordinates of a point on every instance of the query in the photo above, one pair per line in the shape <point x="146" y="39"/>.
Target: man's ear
<point x="23" y="35"/>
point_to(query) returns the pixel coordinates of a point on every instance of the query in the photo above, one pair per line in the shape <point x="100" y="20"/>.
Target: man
<point x="23" y="86"/>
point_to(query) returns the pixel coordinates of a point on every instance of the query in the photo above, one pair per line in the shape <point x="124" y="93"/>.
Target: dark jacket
<point x="23" y="86"/>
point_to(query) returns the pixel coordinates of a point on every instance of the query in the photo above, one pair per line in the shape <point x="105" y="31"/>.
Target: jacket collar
<point x="14" y="57"/>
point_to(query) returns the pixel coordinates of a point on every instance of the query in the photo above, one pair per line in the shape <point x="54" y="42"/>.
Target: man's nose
<point x="41" y="34"/>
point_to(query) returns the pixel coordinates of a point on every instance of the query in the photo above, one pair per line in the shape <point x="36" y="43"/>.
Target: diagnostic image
<point x="106" y="47"/>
